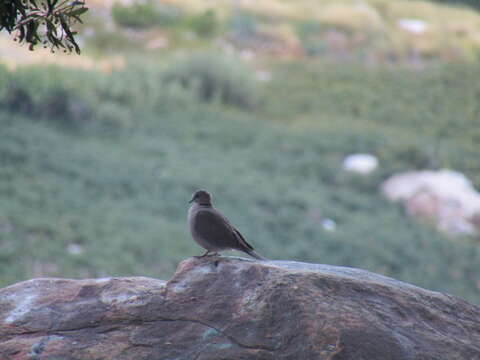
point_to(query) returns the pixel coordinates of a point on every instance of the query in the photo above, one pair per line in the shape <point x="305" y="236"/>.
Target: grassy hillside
<point x="410" y="119"/>
<point x="102" y="190"/>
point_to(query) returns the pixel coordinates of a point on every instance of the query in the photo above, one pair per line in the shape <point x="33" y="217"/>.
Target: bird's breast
<point x="191" y="218"/>
<point x="192" y="226"/>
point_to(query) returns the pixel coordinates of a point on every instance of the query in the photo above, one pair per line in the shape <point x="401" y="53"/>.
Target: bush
<point x="76" y="98"/>
<point x="243" y="25"/>
<point x="48" y="92"/>
<point x="205" y="24"/>
<point x="309" y="33"/>
<point x="213" y="76"/>
<point x="65" y="97"/>
<point x="142" y="14"/>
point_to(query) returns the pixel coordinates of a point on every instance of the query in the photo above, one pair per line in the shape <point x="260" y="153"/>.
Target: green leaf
<point x="78" y="19"/>
<point x="77" y="12"/>
<point x="51" y="28"/>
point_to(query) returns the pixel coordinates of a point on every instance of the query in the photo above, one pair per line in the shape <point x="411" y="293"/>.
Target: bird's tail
<point x="252" y="253"/>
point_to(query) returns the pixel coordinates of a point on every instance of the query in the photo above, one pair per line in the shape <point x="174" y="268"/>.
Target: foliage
<point x="472" y="3"/>
<point x="122" y="200"/>
<point x="43" y="21"/>
<point x="142" y="14"/>
<point x="213" y="76"/>
<point x="43" y="92"/>
<point x="408" y="106"/>
<point x="60" y="96"/>
<point x="205" y="24"/>
<point x="243" y="25"/>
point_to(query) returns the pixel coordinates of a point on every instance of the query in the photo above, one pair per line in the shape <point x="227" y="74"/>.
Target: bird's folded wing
<point x="242" y="239"/>
<point x="214" y="227"/>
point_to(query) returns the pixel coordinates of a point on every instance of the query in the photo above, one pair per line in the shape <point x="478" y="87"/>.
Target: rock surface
<point x="445" y="197"/>
<point x="362" y="164"/>
<point x="231" y="308"/>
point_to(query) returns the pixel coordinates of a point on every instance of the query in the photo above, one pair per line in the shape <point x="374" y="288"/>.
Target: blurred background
<point x="343" y="132"/>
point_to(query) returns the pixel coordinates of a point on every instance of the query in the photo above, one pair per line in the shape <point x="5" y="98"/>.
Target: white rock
<point x="75" y="249"/>
<point x="446" y="197"/>
<point x="329" y="225"/>
<point x="413" y="26"/>
<point x="360" y="163"/>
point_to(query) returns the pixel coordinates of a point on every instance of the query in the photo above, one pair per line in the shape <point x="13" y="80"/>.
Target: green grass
<point x="410" y="119"/>
<point x="123" y="196"/>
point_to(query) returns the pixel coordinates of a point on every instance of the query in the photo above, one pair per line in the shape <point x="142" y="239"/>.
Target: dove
<point x="212" y="231"/>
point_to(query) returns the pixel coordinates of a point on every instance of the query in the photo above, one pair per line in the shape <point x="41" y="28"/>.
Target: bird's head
<point x="201" y="197"/>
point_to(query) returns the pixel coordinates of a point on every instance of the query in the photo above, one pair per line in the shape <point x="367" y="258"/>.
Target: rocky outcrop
<point x="232" y="308"/>
<point x="445" y="197"/>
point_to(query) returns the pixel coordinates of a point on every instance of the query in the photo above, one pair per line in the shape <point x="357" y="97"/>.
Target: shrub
<point x="205" y="24"/>
<point x="48" y="92"/>
<point x="309" y="33"/>
<point x="213" y="76"/>
<point x="140" y="87"/>
<point x="243" y="25"/>
<point x="113" y="41"/>
<point x="143" y="14"/>
<point x="62" y="96"/>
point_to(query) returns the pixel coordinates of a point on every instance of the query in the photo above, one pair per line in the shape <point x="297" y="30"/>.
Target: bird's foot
<point x="208" y="253"/>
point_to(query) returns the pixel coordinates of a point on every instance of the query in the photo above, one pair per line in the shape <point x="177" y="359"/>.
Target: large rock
<point x="445" y="197"/>
<point x="231" y="308"/>
<point x="362" y="164"/>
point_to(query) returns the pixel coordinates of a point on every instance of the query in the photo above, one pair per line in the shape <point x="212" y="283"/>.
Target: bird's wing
<point x="242" y="239"/>
<point x="216" y="229"/>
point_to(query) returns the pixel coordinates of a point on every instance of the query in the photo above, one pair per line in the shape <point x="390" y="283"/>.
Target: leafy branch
<point x="46" y="22"/>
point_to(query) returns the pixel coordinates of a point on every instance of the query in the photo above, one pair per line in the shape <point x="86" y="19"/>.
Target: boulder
<point x="445" y="197"/>
<point x="413" y="26"/>
<point x="360" y="163"/>
<point x="233" y="308"/>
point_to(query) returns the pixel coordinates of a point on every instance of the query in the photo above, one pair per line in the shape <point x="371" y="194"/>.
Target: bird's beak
<point x="191" y="200"/>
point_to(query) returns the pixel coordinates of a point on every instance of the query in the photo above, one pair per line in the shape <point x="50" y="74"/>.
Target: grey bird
<point x="211" y="230"/>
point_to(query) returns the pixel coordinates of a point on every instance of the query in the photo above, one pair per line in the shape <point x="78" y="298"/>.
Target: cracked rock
<point x="232" y="308"/>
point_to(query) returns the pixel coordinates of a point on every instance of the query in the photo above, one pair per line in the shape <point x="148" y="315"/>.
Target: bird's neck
<point x="203" y="205"/>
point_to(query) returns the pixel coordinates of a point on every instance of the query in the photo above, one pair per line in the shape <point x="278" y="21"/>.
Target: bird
<point x="212" y="231"/>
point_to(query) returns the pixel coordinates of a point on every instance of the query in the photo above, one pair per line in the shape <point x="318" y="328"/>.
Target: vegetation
<point x="205" y="24"/>
<point x="472" y="3"/>
<point x="45" y="22"/>
<point x="96" y="167"/>
<point x="144" y="14"/>
<point x="213" y="76"/>
<point x="373" y="31"/>
<point x="81" y="200"/>
<point x="391" y="108"/>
